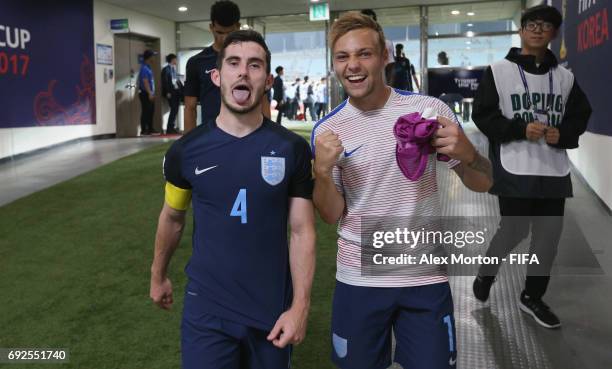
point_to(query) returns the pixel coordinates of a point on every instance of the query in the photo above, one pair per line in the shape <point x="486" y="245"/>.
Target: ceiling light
<point x="468" y="48"/>
<point x="469" y="34"/>
<point x="455" y="12"/>
<point x="437" y="34"/>
<point x="471" y="14"/>
<point x="470" y="25"/>
<point x="182" y="9"/>
<point x="468" y="42"/>
<point x="314" y="1"/>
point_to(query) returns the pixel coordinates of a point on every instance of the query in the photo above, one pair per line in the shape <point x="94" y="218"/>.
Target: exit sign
<point x="119" y="25"/>
<point x="319" y="12"/>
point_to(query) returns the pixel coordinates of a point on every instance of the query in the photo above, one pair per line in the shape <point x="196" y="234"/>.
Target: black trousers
<point x="280" y="106"/>
<point x="293" y="109"/>
<point x="544" y="217"/>
<point x="309" y="105"/>
<point x="146" y="115"/>
<point x="321" y="110"/>
<point x="173" y="102"/>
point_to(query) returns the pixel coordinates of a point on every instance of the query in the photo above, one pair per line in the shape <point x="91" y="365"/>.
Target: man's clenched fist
<point x="327" y="149"/>
<point x="552" y="135"/>
<point x="535" y="131"/>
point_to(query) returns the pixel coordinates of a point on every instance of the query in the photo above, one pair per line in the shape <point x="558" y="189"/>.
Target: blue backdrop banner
<point x="47" y="74"/>
<point x="584" y="47"/>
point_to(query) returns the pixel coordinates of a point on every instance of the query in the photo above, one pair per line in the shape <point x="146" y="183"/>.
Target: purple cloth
<point x="413" y="134"/>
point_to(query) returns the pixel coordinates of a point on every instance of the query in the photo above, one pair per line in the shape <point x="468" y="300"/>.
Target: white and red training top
<point x="373" y="185"/>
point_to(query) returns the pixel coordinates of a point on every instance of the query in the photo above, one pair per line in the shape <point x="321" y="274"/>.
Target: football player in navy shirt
<point x="224" y="19"/>
<point x="248" y="291"/>
<point x="199" y="87"/>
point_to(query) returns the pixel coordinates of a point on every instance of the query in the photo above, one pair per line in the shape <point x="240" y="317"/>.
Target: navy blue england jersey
<point x="240" y="196"/>
<point x="199" y="83"/>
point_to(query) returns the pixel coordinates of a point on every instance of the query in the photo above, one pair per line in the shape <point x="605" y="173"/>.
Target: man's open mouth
<point x="356" y="78"/>
<point x="241" y="93"/>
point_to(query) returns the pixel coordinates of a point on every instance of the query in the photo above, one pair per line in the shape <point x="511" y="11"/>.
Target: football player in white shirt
<point x="357" y="176"/>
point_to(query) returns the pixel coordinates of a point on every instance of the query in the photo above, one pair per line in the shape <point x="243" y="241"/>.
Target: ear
<point x="269" y="82"/>
<point x="210" y="27"/>
<point x="385" y="53"/>
<point x="215" y="77"/>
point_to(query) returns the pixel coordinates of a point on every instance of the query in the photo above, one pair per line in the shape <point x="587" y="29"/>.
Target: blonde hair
<point x="351" y="21"/>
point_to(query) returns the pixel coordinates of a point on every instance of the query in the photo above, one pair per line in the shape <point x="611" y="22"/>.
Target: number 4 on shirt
<point x="240" y="206"/>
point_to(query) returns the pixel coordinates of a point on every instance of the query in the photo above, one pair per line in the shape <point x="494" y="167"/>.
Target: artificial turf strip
<point x="74" y="272"/>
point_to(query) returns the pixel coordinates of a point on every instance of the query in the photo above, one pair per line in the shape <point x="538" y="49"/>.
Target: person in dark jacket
<point x="171" y="90"/>
<point x="279" y="93"/>
<point x="531" y="109"/>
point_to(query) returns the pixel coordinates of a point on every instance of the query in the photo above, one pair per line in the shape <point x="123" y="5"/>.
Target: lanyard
<point x="548" y="107"/>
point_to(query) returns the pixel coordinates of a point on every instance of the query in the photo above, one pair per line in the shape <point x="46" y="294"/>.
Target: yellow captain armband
<point x="177" y="198"/>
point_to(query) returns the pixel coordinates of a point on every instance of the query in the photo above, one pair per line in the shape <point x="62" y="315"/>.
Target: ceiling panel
<point x="488" y="11"/>
<point x="199" y="9"/>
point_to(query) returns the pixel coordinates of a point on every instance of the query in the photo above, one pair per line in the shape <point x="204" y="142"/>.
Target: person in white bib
<point x="531" y="109"/>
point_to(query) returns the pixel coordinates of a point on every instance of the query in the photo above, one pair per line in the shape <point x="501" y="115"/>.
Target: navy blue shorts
<point x="209" y="342"/>
<point x="421" y="318"/>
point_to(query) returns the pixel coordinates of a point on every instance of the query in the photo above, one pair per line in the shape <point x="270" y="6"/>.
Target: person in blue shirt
<point x="248" y="179"/>
<point x="146" y="93"/>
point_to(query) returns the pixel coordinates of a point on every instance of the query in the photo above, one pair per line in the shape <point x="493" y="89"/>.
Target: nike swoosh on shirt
<point x="198" y="172"/>
<point x="452" y="361"/>
<point x="349" y="153"/>
<point x="207" y="71"/>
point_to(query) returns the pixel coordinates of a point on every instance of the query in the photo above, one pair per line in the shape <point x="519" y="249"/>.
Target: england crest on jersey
<point x="272" y="169"/>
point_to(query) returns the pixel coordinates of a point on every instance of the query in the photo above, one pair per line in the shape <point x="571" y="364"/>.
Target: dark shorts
<point x="209" y="342"/>
<point x="421" y="318"/>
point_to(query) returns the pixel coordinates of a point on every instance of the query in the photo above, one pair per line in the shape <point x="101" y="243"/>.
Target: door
<point x="128" y="56"/>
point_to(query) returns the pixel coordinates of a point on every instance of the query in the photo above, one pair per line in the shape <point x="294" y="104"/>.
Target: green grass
<point x="74" y="272"/>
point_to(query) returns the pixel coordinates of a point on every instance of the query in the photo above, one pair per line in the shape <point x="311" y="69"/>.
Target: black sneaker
<point x="539" y="311"/>
<point x="482" y="287"/>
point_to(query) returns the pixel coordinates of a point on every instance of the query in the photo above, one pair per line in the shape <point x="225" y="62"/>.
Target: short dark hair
<point x="169" y="57"/>
<point x="370" y="13"/>
<point x="148" y="54"/>
<point x="544" y="13"/>
<point x="224" y="13"/>
<point x="399" y="48"/>
<point x="305" y="78"/>
<point x="278" y="69"/>
<point x="237" y="37"/>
